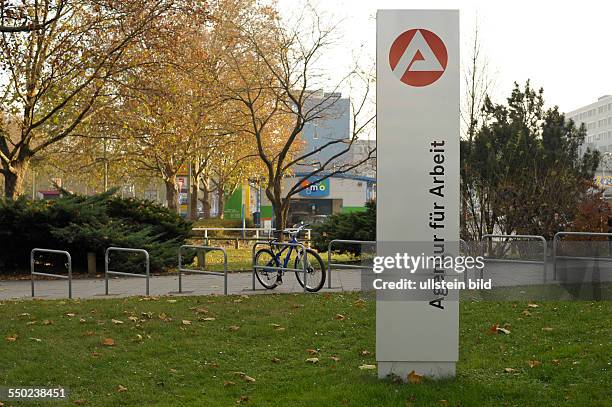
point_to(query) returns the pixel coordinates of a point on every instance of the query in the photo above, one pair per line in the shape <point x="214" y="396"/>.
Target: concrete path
<point x="502" y="275"/>
<point x="193" y="284"/>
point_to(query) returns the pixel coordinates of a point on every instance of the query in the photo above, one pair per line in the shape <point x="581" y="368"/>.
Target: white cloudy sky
<point x="564" y="48"/>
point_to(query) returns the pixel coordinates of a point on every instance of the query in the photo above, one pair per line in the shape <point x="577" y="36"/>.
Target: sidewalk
<point x="193" y="284"/>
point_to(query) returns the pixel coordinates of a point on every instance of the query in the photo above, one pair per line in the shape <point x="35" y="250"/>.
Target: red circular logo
<point x="418" y="57"/>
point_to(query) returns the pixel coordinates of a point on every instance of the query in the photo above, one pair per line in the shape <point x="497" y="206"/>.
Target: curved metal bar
<point x="119" y="273"/>
<point x="68" y="266"/>
<point x="330" y="265"/>
<point x="182" y="270"/>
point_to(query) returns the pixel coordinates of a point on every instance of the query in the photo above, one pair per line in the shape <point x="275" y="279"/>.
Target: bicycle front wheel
<point x="267" y="277"/>
<point x="315" y="270"/>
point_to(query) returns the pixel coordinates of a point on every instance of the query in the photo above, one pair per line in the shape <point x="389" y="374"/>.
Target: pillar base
<point x="434" y="370"/>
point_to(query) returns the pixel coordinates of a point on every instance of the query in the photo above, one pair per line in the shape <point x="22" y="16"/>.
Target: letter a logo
<point x="418" y="57"/>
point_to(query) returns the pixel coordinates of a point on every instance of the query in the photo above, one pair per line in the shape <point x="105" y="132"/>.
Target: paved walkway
<point x="502" y="275"/>
<point x="193" y="284"/>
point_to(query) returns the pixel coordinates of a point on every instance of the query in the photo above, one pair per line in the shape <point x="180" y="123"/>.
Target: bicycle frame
<point x="278" y="255"/>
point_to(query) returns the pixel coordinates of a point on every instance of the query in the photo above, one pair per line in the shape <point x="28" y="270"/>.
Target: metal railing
<point x="257" y="233"/>
<point x="37" y="273"/>
<point x="205" y="249"/>
<point x="279" y="244"/>
<point x="120" y="273"/>
<point x="556" y="239"/>
<point x="331" y="265"/>
<point x="523" y="237"/>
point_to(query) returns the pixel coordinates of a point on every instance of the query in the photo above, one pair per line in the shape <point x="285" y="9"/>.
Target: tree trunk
<point x="220" y="201"/>
<point x="193" y="215"/>
<point x="205" y="198"/>
<point x="14" y="178"/>
<point x="172" y="194"/>
<point x="281" y="214"/>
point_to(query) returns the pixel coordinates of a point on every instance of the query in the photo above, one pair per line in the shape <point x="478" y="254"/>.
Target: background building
<point x="597" y="118"/>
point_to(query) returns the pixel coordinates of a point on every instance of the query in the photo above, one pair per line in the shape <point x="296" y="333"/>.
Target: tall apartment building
<point x="597" y="118"/>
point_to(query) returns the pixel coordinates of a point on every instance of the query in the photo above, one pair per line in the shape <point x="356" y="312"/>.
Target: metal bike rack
<point x="556" y="239"/>
<point x="330" y="265"/>
<point x="36" y="273"/>
<point x="192" y="271"/>
<point x="524" y="237"/>
<point x="119" y="273"/>
<point x="268" y="243"/>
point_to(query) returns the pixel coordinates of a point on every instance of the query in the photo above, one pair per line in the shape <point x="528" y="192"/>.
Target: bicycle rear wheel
<point x="315" y="270"/>
<point x="267" y="277"/>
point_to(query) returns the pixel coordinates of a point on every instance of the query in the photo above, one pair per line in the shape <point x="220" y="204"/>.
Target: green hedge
<point x="82" y="224"/>
<point x="348" y="226"/>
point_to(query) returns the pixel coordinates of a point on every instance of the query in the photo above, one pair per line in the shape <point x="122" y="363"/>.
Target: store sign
<point x="417" y="103"/>
<point x="315" y="188"/>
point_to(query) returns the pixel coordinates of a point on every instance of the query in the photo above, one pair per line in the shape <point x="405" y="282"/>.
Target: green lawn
<point x="170" y="352"/>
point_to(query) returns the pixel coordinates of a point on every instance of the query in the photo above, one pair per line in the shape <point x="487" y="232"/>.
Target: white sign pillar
<point x="417" y="92"/>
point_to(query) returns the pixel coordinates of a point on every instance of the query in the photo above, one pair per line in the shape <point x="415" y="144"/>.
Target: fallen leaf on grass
<point x="340" y="317"/>
<point x="171" y="301"/>
<point x="509" y="370"/>
<point x="31" y="322"/>
<point x="208" y="319"/>
<point x="365" y="352"/>
<point x="95" y="354"/>
<point x="533" y="305"/>
<point x="276" y="360"/>
<point x="88" y="333"/>
<point x="36" y="339"/>
<point x="367" y="367"/>
<point x="82" y="320"/>
<point x="275" y="325"/>
<point x="108" y="342"/>
<point x="280" y="329"/>
<point x="496" y="329"/>
<point x="234" y="328"/>
<point x="133" y="318"/>
<point x="242" y="399"/>
<point x="443" y="402"/>
<point x="534" y="363"/>
<point x="228" y="383"/>
<point x="121" y="388"/>
<point x="556" y="362"/>
<point x="335" y="358"/>
<point x="526" y="313"/>
<point x="312" y="351"/>
<point x="70" y="314"/>
<point x="296" y="306"/>
<point x="547" y="329"/>
<point x="359" y="303"/>
<point x="245" y="377"/>
<point x="312" y="360"/>
<point x="414" y="378"/>
<point x="11" y="338"/>
<point x="186" y="322"/>
<point x="47" y="322"/>
<point x="116" y="321"/>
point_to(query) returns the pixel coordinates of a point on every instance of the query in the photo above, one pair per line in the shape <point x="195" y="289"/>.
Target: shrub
<point x="349" y="226"/>
<point x="82" y="224"/>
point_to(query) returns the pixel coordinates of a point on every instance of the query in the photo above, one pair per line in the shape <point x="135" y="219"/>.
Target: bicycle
<point x="271" y="278"/>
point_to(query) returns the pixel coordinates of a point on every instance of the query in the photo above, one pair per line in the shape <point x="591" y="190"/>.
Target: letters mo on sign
<point x="315" y="187"/>
<point x="417" y="103"/>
